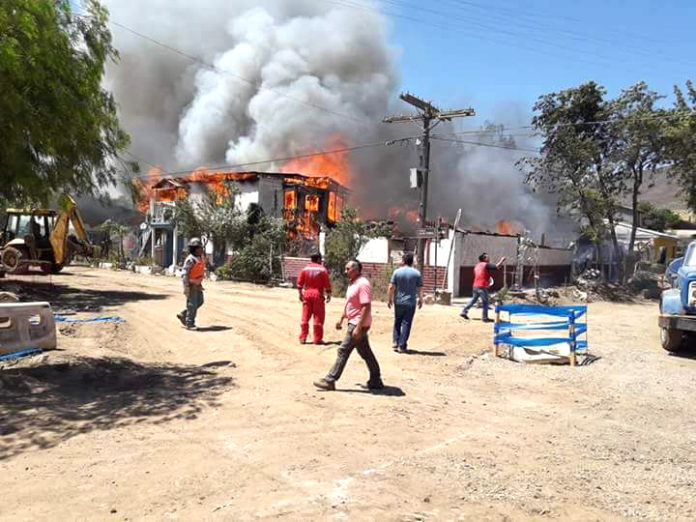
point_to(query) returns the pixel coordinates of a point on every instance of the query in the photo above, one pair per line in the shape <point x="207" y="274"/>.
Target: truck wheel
<point x="671" y="339"/>
<point x="11" y="258"/>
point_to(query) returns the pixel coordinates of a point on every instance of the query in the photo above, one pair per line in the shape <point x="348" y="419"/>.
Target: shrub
<point x="258" y="261"/>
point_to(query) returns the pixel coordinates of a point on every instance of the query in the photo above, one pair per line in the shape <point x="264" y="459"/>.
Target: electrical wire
<point x="481" y="144"/>
<point x="483" y="30"/>
<point x="284" y="159"/>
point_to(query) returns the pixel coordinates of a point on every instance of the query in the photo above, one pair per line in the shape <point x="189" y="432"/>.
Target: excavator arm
<point x="59" y="236"/>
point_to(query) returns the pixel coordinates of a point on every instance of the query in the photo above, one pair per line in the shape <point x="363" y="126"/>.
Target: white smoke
<point x="285" y="76"/>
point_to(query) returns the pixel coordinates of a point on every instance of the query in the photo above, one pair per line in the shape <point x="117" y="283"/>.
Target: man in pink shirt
<point x="358" y="311"/>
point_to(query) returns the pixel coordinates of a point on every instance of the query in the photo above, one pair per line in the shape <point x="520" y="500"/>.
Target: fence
<point x="508" y="332"/>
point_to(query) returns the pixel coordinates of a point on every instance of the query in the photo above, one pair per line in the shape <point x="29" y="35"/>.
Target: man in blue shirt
<point x="405" y="291"/>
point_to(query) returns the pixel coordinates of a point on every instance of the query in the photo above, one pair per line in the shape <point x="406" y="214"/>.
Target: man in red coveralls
<point x="482" y="282"/>
<point x="312" y="284"/>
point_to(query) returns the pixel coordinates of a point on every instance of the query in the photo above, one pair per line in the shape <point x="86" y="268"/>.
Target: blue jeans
<point x="483" y="294"/>
<point x="403" y="319"/>
<point x="193" y="302"/>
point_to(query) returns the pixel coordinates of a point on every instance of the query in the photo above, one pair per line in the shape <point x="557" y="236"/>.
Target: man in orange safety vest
<point x="194" y="272"/>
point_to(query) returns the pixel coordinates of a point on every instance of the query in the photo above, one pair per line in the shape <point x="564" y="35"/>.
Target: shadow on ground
<point x="65" y="297"/>
<point x="214" y="328"/>
<point x="409" y="351"/>
<point x="42" y="406"/>
<point x="390" y="391"/>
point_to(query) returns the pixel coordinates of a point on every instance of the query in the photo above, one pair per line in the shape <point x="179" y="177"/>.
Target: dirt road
<point x="145" y="420"/>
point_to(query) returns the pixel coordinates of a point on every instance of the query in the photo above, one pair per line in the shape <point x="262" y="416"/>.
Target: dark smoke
<point x="297" y="55"/>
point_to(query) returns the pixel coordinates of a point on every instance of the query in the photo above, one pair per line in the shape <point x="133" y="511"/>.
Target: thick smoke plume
<point x="287" y="78"/>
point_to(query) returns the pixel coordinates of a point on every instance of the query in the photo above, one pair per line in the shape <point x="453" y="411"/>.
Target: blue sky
<point x="499" y="55"/>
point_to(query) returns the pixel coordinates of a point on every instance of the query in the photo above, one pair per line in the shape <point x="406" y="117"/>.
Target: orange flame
<point x="335" y="165"/>
<point x="334" y="207"/>
<point x="312" y="203"/>
<point x="144" y="189"/>
<point x="510" y="228"/>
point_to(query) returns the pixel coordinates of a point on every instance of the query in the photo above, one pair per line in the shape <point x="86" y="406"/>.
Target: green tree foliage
<point x="681" y="142"/>
<point x="575" y="160"/>
<point x="637" y="143"/>
<point x="260" y="259"/>
<point x="596" y="152"/>
<point x="59" y="127"/>
<point x="115" y="231"/>
<point x="659" y="219"/>
<point x="213" y="216"/>
<point x="345" y="240"/>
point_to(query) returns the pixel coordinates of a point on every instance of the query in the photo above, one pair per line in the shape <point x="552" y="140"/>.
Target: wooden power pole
<point x="430" y="116"/>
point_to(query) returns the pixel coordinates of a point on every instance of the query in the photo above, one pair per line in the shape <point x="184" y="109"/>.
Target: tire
<point x="672" y="340"/>
<point x="11" y="259"/>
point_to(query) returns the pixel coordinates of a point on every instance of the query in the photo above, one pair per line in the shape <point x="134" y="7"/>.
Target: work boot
<point x="325" y="385"/>
<point x="182" y="318"/>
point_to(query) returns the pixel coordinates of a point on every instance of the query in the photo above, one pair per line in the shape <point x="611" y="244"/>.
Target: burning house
<point x="307" y="203"/>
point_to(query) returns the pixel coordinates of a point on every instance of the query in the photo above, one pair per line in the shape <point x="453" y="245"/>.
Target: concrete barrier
<point x="26" y="325"/>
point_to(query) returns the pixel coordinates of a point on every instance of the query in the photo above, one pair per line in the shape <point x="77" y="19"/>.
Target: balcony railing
<point x="163" y="213"/>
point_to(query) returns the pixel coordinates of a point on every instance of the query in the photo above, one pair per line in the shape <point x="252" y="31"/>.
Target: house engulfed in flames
<point x="306" y="203"/>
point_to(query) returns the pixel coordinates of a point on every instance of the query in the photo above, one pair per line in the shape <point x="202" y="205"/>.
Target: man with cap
<point x="194" y="272"/>
<point x="314" y="288"/>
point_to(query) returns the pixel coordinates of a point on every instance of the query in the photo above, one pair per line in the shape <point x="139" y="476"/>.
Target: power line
<point x="483" y="30"/>
<point x="215" y="68"/>
<point x="274" y="160"/>
<point x="516" y="22"/>
<point x="430" y="116"/>
<point x="481" y="144"/>
<point x="506" y="131"/>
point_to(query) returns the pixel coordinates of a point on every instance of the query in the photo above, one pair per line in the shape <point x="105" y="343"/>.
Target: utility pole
<point x="430" y="116"/>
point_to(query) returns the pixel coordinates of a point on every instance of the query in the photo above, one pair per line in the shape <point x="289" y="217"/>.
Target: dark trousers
<point x="483" y="294"/>
<point x="193" y="302"/>
<point x="362" y="344"/>
<point x="403" y="319"/>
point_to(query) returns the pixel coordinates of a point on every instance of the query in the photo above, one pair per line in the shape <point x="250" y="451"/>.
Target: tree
<point x="347" y="238"/>
<point x="115" y="230"/>
<point x="574" y="163"/>
<point x="214" y="216"/>
<point x="59" y="127"/>
<point x="638" y="144"/>
<point x="681" y="142"/>
<point x="658" y="219"/>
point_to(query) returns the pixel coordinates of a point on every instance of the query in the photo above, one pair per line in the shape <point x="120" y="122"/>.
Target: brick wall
<point x="373" y="271"/>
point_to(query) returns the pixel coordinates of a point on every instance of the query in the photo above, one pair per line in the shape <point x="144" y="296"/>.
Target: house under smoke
<point x="306" y="203"/>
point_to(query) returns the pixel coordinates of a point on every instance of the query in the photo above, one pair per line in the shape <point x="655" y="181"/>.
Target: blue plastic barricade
<point x="557" y="319"/>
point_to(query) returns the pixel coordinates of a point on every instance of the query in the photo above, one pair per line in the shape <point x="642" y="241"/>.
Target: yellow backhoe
<point x="42" y="238"/>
